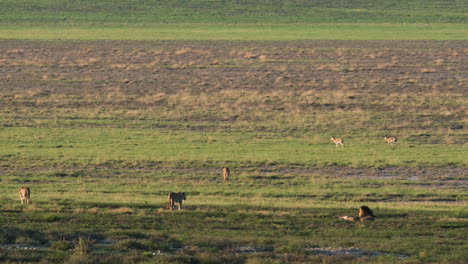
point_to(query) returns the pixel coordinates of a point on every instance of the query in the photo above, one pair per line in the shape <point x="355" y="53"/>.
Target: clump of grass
<point x="129" y="244"/>
<point x="122" y="210"/>
<point x="52" y="217"/>
<point x="82" y="246"/>
<point x="61" y="245"/>
<point x="428" y="70"/>
<point x="163" y="242"/>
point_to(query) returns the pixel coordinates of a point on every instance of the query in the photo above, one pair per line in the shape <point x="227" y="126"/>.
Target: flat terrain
<point x="107" y="106"/>
<point x="102" y="131"/>
<point x="234" y="20"/>
<point x="110" y="12"/>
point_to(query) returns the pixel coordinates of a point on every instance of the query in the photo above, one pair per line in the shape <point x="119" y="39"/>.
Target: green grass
<point x="217" y="221"/>
<point x="347" y="31"/>
<point x="206" y="11"/>
<point x="95" y="145"/>
<point x="233" y="20"/>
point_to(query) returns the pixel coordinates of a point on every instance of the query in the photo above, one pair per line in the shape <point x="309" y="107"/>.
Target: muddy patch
<point x="21" y="247"/>
<point x="328" y="251"/>
<point x="356" y="252"/>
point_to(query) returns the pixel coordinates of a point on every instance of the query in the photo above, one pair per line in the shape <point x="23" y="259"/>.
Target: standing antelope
<point x="25" y="195"/>
<point x="337" y="141"/>
<point x="226" y="173"/>
<point x="391" y="140"/>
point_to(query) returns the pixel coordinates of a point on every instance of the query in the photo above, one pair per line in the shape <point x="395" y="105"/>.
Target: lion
<point x="365" y="213"/>
<point x="349" y="218"/>
<point x="25" y="195"/>
<point x="226" y="173"/>
<point x="176" y="198"/>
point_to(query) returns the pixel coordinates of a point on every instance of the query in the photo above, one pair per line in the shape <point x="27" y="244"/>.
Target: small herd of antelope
<point x="340" y="141"/>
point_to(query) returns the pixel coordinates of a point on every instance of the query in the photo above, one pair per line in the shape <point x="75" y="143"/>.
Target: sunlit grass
<point x="364" y="31"/>
<point x="98" y="146"/>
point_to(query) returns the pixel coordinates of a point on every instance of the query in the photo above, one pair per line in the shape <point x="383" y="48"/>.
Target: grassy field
<point x="272" y="32"/>
<point x="107" y="106"/>
<point x="233" y="20"/>
<point x="206" y="11"/>
<point x="102" y="131"/>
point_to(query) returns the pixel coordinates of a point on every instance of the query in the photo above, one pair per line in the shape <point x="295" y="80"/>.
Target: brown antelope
<point x="25" y="195"/>
<point x="226" y="173"/>
<point x="337" y="141"/>
<point x="391" y="140"/>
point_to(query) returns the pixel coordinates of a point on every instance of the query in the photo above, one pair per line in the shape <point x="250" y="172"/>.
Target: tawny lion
<point x="365" y="213"/>
<point x="175" y="198"/>
<point x="226" y="173"/>
<point x="25" y="195"/>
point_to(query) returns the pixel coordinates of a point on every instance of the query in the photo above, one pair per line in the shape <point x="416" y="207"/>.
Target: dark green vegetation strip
<point x="233" y="20"/>
<point x="103" y="131"/>
<point x="104" y="12"/>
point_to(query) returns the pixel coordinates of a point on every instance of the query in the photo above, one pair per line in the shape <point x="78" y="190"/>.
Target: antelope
<point x="25" y="195"/>
<point x="337" y="141"/>
<point x="226" y="173"/>
<point x="391" y="140"/>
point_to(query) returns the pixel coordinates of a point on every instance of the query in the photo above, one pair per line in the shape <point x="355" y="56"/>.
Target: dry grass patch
<point x="183" y="51"/>
<point x="79" y="211"/>
<point x="119" y="66"/>
<point x="34" y="207"/>
<point x="94" y="210"/>
<point x="15" y="51"/>
<point x="428" y="70"/>
<point x="151" y="99"/>
<point x="121" y="210"/>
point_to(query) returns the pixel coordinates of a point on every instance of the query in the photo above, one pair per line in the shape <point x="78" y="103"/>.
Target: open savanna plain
<point x="102" y="131"/>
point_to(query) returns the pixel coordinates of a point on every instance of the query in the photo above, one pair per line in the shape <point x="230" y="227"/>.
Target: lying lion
<point x="365" y="213"/>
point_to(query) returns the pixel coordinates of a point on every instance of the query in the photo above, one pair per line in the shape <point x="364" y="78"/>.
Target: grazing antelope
<point x="226" y="173"/>
<point x="337" y="141"/>
<point x="391" y="140"/>
<point x="25" y="195"/>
